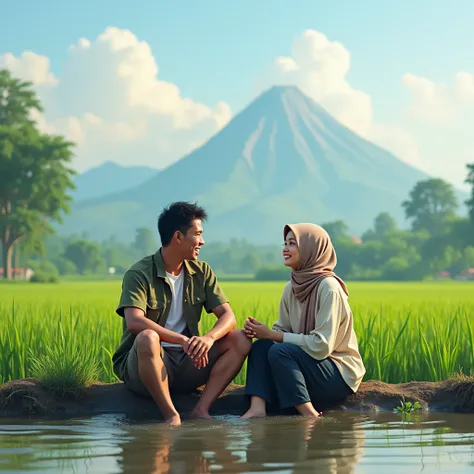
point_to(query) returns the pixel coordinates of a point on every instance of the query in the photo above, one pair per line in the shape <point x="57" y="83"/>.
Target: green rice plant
<point x="67" y="367"/>
<point x="65" y="373"/>
<point x="406" y="331"/>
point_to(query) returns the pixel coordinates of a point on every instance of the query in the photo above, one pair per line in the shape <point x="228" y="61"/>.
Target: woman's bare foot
<point x="313" y="415"/>
<point x="174" y="420"/>
<point x="201" y="414"/>
<point x="252" y="413"/>
<point x="258" y="408"/>
<point x="307" y="410"/>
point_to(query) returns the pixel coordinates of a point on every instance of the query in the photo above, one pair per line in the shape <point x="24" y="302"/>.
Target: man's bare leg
<point x="234" y="349"/>
<point x="153" y="374"/>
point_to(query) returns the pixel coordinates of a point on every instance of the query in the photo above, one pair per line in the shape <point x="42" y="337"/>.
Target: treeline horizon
<point x="36" y="181"/>
<point x="439" y="240"/>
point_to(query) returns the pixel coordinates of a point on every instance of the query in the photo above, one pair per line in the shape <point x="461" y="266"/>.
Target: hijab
<point x="317" y="262"/>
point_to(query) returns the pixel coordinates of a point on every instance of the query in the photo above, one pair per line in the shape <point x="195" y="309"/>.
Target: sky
<point x="145" y="82"/>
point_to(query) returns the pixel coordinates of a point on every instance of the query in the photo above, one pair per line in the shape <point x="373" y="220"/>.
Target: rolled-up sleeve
<point x="321" y="341"/>
<point x="214" y="294"/>
<point x="134" y="292"/>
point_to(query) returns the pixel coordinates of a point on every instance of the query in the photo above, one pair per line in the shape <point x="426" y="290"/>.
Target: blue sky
<point x="214" y="50"/>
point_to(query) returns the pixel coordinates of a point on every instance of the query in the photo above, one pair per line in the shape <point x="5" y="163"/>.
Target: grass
<point x="67" y="367"/>
<point x="68" y="332"/>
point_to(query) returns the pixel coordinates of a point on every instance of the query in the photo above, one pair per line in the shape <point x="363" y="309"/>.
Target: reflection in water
<point x="338" y="443"/>
<point x="230" y="444"/>
<point x="159" y="450"/>
<point x="324" y="444"/>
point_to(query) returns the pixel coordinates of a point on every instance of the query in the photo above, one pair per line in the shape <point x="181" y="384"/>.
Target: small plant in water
<point x="408" y="407"/>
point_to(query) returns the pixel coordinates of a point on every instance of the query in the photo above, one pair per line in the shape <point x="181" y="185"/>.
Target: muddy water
<point x="338" y="443"/>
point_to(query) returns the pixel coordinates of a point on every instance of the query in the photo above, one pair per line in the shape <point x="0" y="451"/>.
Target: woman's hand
<point x="249" y="332"/>
<point x="256" y="329"/>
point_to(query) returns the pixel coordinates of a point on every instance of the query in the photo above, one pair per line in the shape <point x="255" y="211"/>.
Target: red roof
<point x="15" y="271"/>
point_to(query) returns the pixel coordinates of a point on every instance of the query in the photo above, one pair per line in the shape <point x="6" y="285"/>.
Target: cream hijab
<point x="317" y="262"/>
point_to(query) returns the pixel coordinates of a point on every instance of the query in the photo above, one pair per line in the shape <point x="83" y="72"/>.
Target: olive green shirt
<point x="146" y="287"/>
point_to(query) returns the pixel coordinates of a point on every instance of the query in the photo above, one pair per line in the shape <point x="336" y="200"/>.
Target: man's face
<point x="192" y="241"/>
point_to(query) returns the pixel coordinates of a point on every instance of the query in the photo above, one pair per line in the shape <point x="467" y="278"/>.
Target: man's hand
<point x="198" y="346"/>
<point x="199" y="363"/>
<point x="202" y="362"/>
<point x="254" y="328"/>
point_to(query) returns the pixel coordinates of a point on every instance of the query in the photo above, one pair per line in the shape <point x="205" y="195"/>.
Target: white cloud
<point x="110" y="100"/>
<point x="442" y="114"/>
<point x="430" y="101"/>
<point x="439" y="103"/>
<point x="396" y="139"/>
<point x="464" y="84"/>
<point x="319" y="67"/>
<point x="29" y="67"/>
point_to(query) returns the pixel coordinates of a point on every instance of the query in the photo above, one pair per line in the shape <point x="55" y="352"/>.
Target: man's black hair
<point x="178" y="216"/>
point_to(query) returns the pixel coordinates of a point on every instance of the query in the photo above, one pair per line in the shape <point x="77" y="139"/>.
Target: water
<point x="338" y="443"/>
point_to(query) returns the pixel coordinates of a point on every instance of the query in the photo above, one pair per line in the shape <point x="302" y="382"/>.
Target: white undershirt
<point x="175" y="321"/>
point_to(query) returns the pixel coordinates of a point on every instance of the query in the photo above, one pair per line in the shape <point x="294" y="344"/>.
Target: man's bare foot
<point x="253" y="414"/>
<point x="174" y="420"/>
<point x="201" y="414"/>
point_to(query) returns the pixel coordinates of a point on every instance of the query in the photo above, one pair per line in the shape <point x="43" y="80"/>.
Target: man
<point x="161" y="351"/>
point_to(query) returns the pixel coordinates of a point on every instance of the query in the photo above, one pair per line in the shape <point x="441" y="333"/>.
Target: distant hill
<point x="282" y="159"/>
<point x="109" y="178"/>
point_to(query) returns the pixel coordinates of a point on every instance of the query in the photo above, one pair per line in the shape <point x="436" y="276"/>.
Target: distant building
<point x="444" y="275"/>
<point x="19" y="273"/>
<point x="467" y="274"/>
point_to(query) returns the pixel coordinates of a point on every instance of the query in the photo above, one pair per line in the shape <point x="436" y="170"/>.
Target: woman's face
<point x="291" y="254"/>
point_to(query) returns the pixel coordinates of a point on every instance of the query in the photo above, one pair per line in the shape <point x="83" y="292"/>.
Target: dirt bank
<point x="27" y="397"/>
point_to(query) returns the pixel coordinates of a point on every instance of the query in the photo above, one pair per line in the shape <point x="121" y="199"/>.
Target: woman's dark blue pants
<point x="285" y="375"/>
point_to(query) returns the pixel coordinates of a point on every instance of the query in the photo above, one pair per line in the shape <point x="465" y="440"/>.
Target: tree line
<point x="439" y="243"/>
<point x="78" y="256"/>
<point x="36" y="179"/>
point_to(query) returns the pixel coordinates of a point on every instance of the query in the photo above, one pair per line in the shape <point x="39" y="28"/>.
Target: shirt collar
<point x="160" y="265"/>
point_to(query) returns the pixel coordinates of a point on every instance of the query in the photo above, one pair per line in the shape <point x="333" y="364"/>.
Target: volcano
<point x="282" y="159"/>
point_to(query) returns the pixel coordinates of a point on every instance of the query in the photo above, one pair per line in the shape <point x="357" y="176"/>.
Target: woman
<point x="311" y="356"/>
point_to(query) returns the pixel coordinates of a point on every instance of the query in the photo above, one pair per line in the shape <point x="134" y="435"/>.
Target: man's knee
<point x="238" y="341"/>
<point x="148" y="343"/>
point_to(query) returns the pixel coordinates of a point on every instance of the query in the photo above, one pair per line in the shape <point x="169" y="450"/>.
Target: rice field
<point x="406" y="331"/>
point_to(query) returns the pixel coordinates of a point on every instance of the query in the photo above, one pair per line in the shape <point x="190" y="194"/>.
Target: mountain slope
<point x="282" y="159"/>
<point x="108" y="178"/>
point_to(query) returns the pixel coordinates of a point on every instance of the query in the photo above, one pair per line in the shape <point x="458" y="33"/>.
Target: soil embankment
<point x="26" y="398"/>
